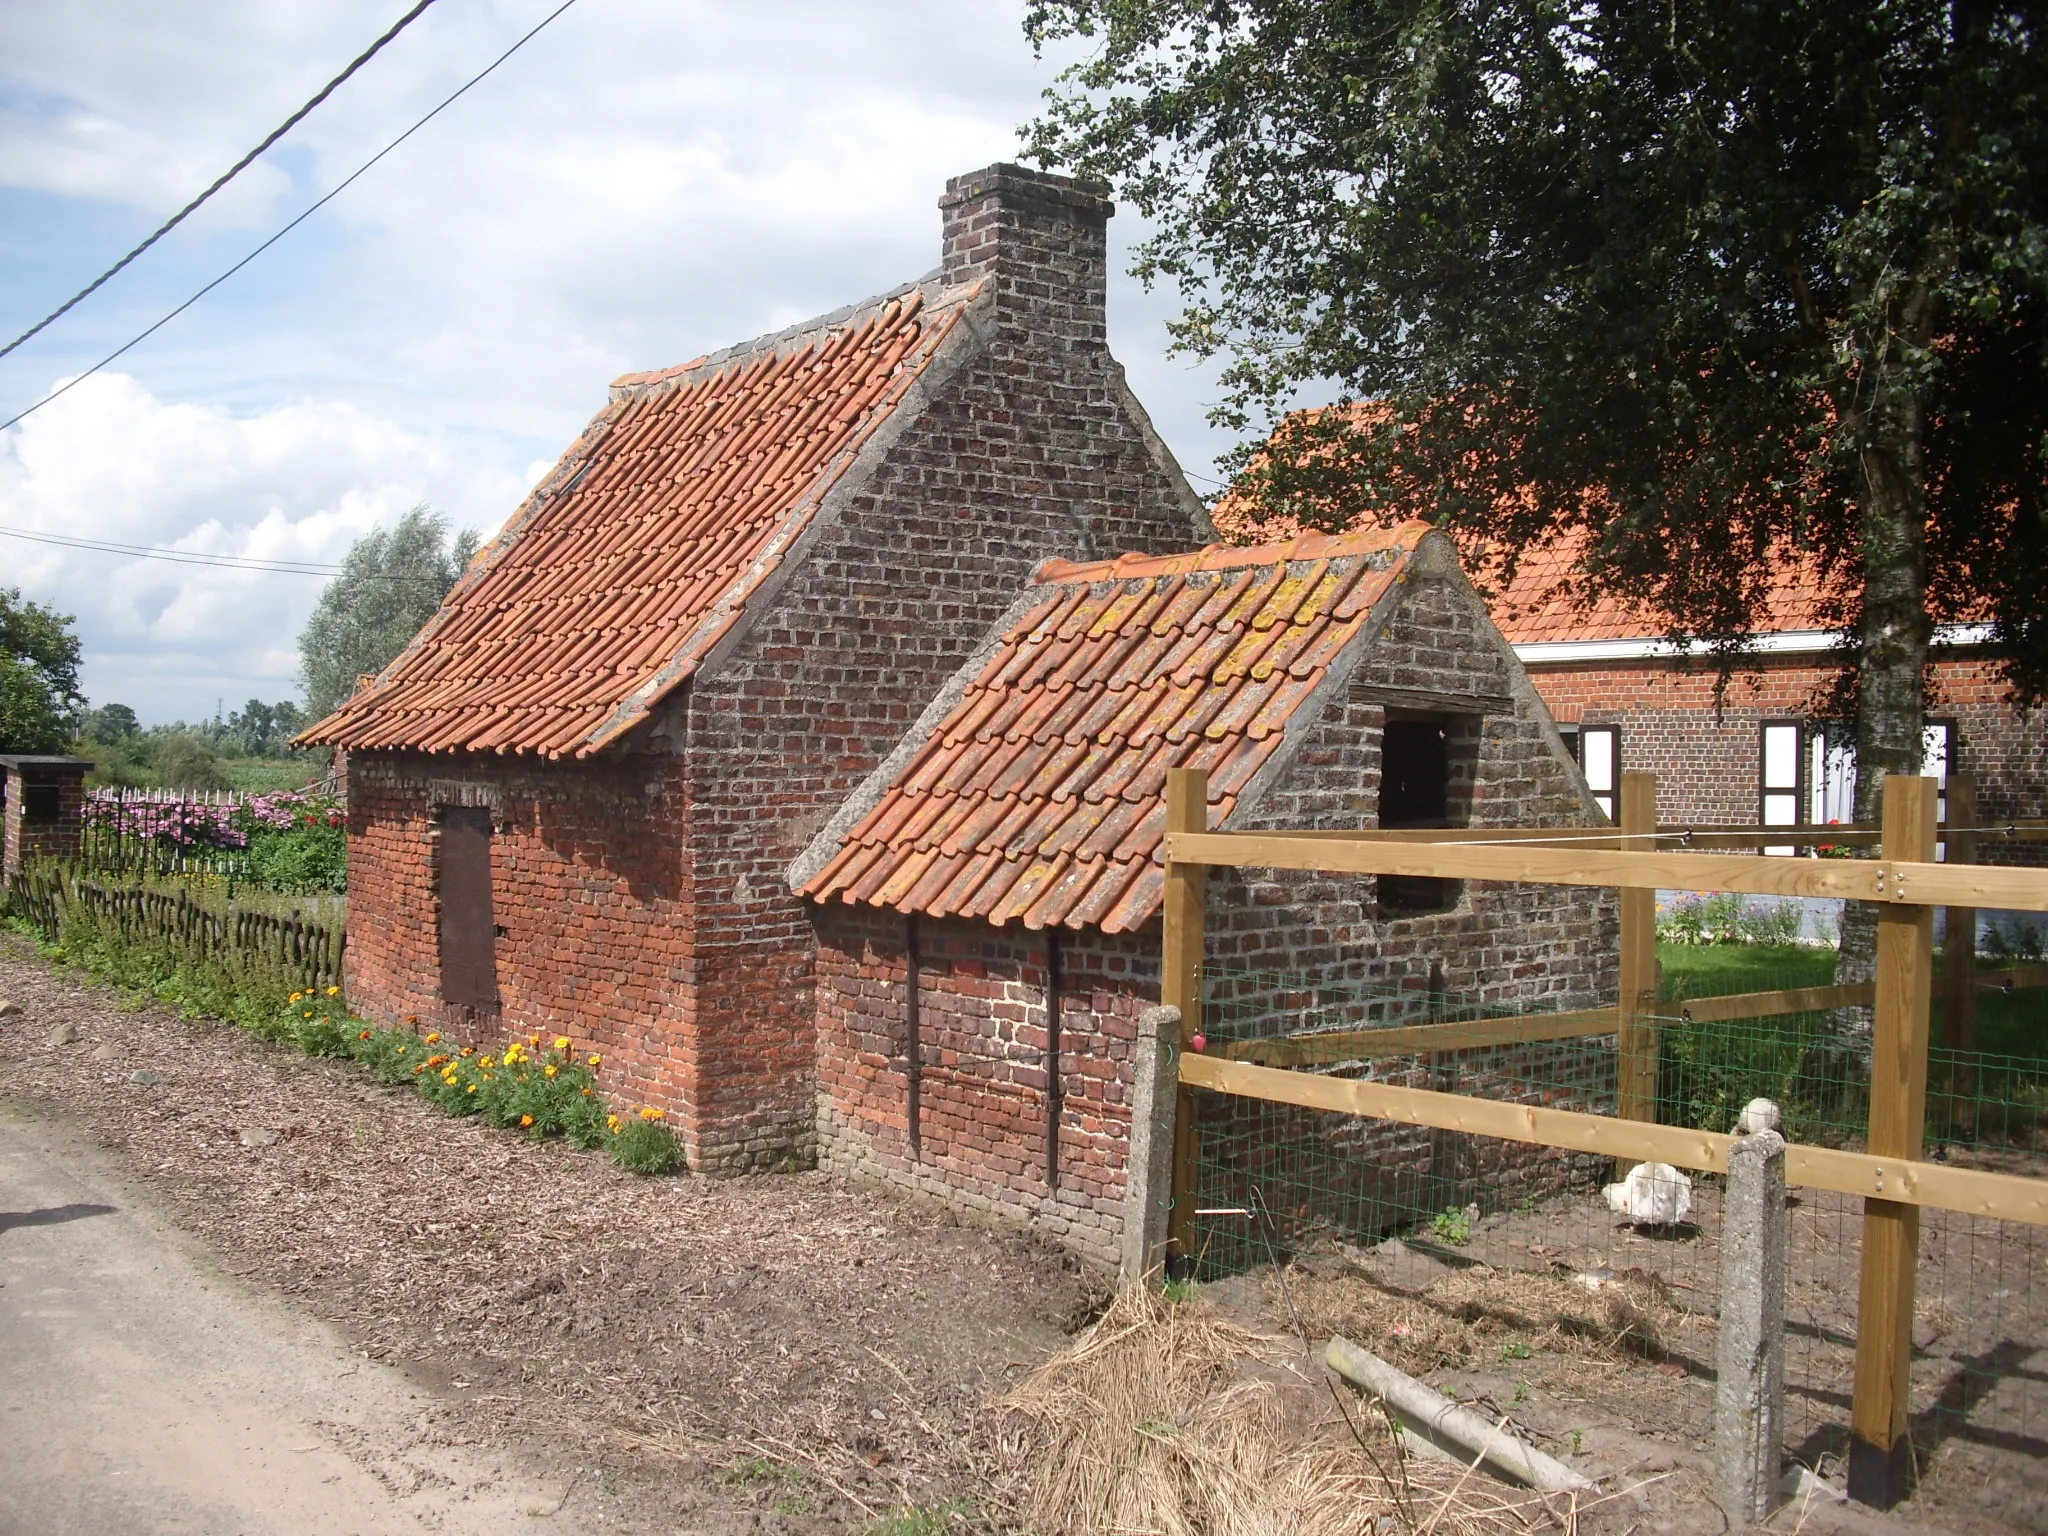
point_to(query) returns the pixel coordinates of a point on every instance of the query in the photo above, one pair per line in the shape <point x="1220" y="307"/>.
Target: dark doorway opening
<point x="469" y="947"/>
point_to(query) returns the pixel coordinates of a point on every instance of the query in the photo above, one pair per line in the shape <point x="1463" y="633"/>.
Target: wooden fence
<point x="310" y="954"/>
<point x="1905" y="882"/>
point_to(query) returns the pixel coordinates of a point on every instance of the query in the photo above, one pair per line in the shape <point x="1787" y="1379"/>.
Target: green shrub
<point x="312" y="856"/>
<point x="644" y="1145"/>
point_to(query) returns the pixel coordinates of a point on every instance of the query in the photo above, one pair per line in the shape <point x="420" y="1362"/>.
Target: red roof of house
<point x="1040" y="795"/>
<point x="627" y="564"/>
<point x="1547" y="599"/>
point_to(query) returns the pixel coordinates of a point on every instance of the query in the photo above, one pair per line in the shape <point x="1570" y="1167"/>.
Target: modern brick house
<point x="987" y="903"/>
<point x="1765" y="753"/>
<point x="575" y="797"/>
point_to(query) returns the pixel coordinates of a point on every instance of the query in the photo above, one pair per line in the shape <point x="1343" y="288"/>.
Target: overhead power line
<point x="73" y="383"/>
<point x="192" y="556"/>
<point x="226" y="176"/>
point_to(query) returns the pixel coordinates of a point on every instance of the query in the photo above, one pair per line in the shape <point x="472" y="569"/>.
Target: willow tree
<point x="1706" y="286"/>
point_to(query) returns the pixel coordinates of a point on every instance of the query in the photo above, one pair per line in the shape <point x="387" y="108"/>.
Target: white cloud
<point x="299" y="481"/>
<point x="647" y="181"/>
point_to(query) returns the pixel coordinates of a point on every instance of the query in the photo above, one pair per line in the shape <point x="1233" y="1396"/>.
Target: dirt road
<point x="146" y="1390"/>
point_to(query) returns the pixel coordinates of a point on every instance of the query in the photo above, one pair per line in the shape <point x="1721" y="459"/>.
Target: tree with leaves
<point x="391" y="583"/>
<point x="39" y="655"/>
<point x="1706" y="287"/>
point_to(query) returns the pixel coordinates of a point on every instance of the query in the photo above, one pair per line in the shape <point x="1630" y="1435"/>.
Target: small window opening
<point x="1426" y="772"/>
<point x="40" y="802"/>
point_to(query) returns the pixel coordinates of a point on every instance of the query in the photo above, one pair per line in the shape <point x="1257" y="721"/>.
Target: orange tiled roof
<point x="630" y="561"/>
<point x="1547" y="598"/>
<point x="1041" y="795"/>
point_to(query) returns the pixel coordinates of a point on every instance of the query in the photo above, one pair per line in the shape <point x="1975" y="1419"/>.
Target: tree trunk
<point x="1894" y="632"/>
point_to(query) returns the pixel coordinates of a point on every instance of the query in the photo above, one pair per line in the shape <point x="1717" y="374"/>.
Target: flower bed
<point x="530" y="1086"/>
<point x="289" y="840"/>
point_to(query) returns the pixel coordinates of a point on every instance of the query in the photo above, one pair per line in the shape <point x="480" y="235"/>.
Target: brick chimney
<point x="1043" y="240"/>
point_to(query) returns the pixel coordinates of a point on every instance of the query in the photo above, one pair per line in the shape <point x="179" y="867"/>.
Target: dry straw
<point x="1166" y="1418"/>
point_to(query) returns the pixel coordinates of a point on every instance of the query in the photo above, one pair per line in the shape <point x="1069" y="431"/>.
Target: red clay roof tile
<point x="1040" y="795"/>
<point x="638" y="553"/>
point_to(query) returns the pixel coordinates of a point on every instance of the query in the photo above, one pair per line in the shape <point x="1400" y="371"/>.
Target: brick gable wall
<point x="1030" y="450"/>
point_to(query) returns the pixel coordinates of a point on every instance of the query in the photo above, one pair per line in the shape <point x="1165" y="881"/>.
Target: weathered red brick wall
<point x="982" y="1022"/>
<point x="1707" y="762"/>
<point x="591" y="894"/>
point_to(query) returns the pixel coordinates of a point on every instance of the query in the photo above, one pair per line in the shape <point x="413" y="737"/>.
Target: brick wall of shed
<point x="1707" y="760"/>
<point x="1026" y="453"/>
<point x="590" y="886"/>
<point x="981" y="998"/>
<point x="983" y="1037"/>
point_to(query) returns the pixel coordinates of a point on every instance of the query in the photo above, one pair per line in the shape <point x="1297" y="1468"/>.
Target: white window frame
<point x="1780" y="778"/>
<point x="1608" y="795"/>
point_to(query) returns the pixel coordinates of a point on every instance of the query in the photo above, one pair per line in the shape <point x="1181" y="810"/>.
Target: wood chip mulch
<point x="705" y="1323"/>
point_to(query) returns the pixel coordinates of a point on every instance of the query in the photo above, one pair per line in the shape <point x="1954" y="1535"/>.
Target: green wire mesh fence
<point x="1412" y="1208"/>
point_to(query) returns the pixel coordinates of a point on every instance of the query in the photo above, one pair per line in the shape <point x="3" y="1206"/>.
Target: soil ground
<point x="779" y="1353"/>
<point x="1598" y="1340"/>
<point x="767" y="1353"/>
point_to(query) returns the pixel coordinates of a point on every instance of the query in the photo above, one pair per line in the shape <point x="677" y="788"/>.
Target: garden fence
<point x="62" y="904"/>
<point x="167" y="833"/>
<point x="1316" y="1116"/>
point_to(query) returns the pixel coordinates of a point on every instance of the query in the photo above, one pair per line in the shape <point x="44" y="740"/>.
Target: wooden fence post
<point x="1959" y="954"/>
<point x="1636" y="1044"/>
<point x="1180" y="986"/>
<point x="1880" y="1447"/>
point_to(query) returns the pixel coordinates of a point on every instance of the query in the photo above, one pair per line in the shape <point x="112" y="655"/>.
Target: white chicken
<point x="1653" y="1195"/>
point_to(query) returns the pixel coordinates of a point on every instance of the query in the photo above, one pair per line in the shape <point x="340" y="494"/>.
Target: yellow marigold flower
<point x="403" y="1049"/>
<point x="309" y="1013"/>
<point x="552" y="1069"/>
<point x="334" y="991"/>
<point x="434" y="1039"/>
<point x="486" y="1061"/>
<point x="561" y="1042"/>
<point x="586" y="1093"/>
<point x="296" y="996"/>
<point x="472" y="1087"/>
<point x="650" y="1113"/>
<point x="526" y="1119"/>
<point x="612" y="1121"/>
<point x="533" y="1039"/>
<point x="595" y="1060"/>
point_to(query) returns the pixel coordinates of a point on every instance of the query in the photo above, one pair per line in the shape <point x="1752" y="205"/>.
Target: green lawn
<point x="2008" y="1023"/>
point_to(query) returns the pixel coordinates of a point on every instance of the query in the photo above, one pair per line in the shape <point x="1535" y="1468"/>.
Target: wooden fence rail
<point x="1905" y="882"/>
<point x="309" y="953"/>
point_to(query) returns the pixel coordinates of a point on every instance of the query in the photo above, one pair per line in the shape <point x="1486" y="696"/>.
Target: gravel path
<point x="725" y="1348"/>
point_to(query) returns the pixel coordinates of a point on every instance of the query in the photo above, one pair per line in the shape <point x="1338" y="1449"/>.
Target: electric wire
<point x="197" y="557"/>
<point x="72" y="383"/>
<point x="225" y="177"/>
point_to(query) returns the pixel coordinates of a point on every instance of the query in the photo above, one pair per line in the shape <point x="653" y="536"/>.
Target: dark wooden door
<point x="469" y="947"/>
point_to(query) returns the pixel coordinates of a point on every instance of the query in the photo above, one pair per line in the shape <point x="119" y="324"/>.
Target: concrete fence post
<point x="1749" y="1399"/>
<point x="1148" y="1175"/>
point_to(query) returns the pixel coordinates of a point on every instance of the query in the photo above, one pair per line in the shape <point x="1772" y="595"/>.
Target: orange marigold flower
<point x="526" y="1119"/>
<point x="364" y="1035"/>
<point x="650" y="1113"/>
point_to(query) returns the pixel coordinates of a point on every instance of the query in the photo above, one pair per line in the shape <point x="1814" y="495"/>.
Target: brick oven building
<point x="575" y="796"/>
<point x="987" y="904"/>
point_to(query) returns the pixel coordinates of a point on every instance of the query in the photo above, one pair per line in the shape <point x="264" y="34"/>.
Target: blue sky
<point x="647" y="180"/>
